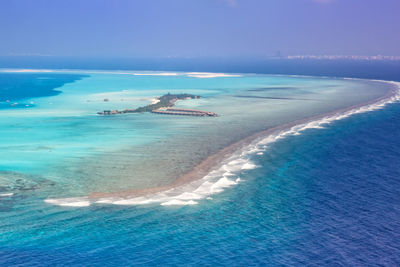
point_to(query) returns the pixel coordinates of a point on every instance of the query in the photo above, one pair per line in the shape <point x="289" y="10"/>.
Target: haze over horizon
<point x="207" y="28"/>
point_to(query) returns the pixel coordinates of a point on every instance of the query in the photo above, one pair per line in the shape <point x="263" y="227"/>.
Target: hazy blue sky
<point x="192" y="28"/>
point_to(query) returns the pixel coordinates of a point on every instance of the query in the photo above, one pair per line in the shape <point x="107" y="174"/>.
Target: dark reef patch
<point x="271" y="89"/>
<point x="271" y="97"/>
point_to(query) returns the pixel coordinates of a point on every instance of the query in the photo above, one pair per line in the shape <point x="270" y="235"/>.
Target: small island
<point x="164" y="106"/>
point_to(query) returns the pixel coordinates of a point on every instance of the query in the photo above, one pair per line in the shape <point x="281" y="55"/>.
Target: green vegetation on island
<point x="164" y="101"/>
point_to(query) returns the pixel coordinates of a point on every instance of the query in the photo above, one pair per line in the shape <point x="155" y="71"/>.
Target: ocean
<point x="317" y="184"/>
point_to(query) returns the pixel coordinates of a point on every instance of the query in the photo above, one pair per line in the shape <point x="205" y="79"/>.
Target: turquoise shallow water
<point x="61" y="140"/>
<point x="259" y="207"/>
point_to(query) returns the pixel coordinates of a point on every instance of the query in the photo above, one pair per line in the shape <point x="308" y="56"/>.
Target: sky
<point x="199" y="28"/>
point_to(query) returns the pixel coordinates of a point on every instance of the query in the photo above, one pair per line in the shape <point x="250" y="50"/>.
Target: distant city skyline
<point x="276" y="56"/>
<point x="351" y="57"/>
<point x="357" y="29"/>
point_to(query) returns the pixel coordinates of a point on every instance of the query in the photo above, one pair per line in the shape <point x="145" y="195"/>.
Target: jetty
<point x="184" y="112"/>
<point x="164" y="106"/>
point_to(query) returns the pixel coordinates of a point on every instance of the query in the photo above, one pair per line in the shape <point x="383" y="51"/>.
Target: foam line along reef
<point x="223" y="169"/>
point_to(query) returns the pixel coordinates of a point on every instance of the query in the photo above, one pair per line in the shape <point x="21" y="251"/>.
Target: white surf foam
<point x="210" y="75"/>
<point x="156" y="74"/>
<point x="228" y="174"/>
<point x="70" y="202"/>
<point x="135" y="73"/>
<point x="27" y="70"/>
<point x="178" y="202"/>
<point x="6" y="194"/>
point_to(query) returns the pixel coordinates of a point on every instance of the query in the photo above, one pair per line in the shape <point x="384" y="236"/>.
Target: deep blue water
<point x="328" y="197"/>
<point x="384" y="70"/>
<point x="17" y="86"/>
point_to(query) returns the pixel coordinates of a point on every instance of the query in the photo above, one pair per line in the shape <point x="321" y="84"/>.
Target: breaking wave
<point x="6" y="194"/>
<point x="228" y="174"/>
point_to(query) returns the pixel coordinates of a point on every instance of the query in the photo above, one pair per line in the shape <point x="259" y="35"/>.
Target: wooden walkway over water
<point x="184" y="112"/>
